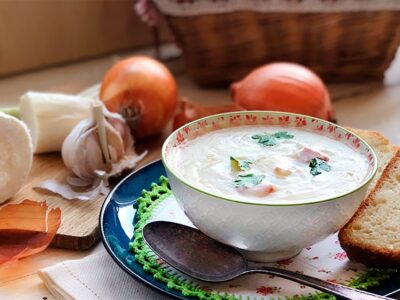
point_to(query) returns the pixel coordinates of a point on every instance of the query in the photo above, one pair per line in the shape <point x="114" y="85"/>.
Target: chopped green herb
<point x="283" y="135"/>
<point x="271" y="139"/>
<point x="265" y="139"/>
<point x="240" y="164"/>
<point x="317" y="166"/>
<point x="248" y="180"/>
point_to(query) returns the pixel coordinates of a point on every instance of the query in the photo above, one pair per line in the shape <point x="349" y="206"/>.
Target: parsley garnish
<point x="317" y="165"/>
<point x="248" y="180"/>
<point x="271" y="139"/>
<point x="283" y="135"/>
<point x="265" y="139"/>
<point x="240" y="164"/>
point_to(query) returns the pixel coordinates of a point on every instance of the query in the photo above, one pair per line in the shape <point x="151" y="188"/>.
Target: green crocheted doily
<point x="159" y="192"/>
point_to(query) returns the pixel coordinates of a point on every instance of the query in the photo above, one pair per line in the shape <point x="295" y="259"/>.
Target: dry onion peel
<point x="190" y="111"/>
<point x="26" y="229"/>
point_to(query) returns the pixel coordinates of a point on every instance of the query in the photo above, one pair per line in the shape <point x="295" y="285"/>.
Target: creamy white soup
<point x="269" y="164"/>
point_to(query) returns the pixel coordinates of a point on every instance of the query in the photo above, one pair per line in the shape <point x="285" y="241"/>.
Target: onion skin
<point x="143" y="91"/>
<point x="285" y="87"/>
<point x="189" y="111"/>
<point x="26" y="228"/>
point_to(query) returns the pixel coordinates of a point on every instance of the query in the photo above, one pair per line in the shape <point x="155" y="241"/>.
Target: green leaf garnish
<point x="265" y="139"/>
<point x="283" y="135"/>
<point x="271" y="139"/>
<point x="240" y="164"/>
<point x="318" y="165"/>
<point x="248" y="180"/>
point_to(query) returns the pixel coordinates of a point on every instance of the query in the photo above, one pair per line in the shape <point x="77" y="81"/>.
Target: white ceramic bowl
<point x="266" y="232"/>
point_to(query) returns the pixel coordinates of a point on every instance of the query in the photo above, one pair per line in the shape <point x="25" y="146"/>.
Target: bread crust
<point x="377" y="137"/>
<point x="361" y="251"/>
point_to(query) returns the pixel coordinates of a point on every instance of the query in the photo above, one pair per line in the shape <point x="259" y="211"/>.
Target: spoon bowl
<point x="193" y="252"/>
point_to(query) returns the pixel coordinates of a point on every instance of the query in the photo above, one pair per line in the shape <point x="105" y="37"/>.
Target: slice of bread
<point x="383" y="150"/>
<point x="372" y="236"/>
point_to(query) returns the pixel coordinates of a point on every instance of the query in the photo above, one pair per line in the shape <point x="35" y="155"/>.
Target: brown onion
<point x="143" y="91"/>
<point x="285" y="87"/>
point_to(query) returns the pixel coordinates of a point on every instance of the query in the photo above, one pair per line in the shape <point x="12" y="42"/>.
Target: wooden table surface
<point x="367" y="106"/>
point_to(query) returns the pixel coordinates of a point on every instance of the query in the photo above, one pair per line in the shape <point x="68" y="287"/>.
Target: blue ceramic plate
<point x="117" y="220"/>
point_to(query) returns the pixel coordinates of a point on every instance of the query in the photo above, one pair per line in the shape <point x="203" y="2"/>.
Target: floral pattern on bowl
<point x="204" y="125"/>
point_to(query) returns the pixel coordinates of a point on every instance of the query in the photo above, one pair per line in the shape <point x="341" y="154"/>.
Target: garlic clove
<point x="91" y="156"/>
<point x="81" y="152"/>
<point x="115" y="142"/>
<point x="119" y="124"/>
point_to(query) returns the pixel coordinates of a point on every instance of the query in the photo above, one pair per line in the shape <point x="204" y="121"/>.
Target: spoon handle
<point x="332" y="288"/>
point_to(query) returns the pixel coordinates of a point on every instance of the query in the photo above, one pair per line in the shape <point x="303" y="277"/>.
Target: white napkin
<point x="96" y="276"/>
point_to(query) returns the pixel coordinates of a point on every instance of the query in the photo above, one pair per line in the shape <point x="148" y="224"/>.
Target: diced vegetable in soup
<point x="271" y="164"/>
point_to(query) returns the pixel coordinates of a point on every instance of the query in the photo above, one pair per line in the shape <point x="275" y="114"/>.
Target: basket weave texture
<point x="340" y="46"/>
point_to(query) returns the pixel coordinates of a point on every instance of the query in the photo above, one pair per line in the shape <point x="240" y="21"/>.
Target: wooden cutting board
<point x="79" y="228"/>
<point x="79" y="219"/>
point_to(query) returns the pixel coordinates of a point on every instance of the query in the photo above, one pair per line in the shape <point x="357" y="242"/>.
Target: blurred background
<point x="68" y="45"/>
<point x="43" y="34"/>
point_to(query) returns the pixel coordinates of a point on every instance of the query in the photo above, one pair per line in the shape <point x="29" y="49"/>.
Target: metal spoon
<point x="199" y="256"/>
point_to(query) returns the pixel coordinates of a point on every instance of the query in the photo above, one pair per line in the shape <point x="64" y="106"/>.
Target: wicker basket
<point x="222" y="40"/>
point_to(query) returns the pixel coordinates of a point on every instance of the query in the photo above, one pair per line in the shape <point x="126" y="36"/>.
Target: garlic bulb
<point x="96" y="149"/>
<point x="82" y="150"/>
